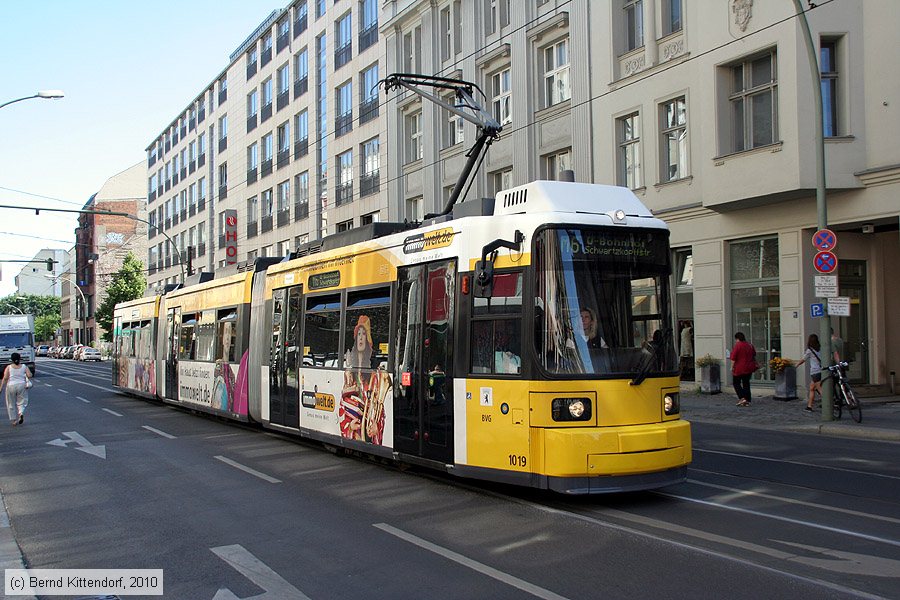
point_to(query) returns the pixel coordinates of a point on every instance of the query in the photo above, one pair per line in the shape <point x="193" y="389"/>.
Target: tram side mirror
<point x="484" y="278"/>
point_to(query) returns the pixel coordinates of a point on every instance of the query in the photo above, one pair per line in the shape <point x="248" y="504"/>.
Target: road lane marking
<point x="472" y="564"/>
<point x="99" y="387"/>
<point x="112" y="412"/>
<point x="158" y="432"/>
<point x="63" y="391"/>
<point x="246" y="469"/>
<point x="81" y="441"/>
<point x="258" y="572"/>
<point x="800" y="464"/>
<point x="787" y="500"/>
<point x="48" y="384"/>
<point x="756" y="513"/>
<point x="319" y="470"/>
<point x="83" y="399"/>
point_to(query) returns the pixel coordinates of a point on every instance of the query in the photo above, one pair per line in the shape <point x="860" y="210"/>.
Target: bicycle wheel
<point x="852" y="403"/>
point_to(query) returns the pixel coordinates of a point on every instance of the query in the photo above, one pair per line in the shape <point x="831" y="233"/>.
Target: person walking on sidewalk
<point x="743" y="359"/>
<point x="16" y="378"/>
<point x="811" y="354"/>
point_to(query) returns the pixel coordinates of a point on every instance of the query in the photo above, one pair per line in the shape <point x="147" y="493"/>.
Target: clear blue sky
<point x="127" y="69"/>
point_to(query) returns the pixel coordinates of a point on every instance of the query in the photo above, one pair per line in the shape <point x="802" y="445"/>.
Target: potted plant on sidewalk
<point x="710" y="375"/>
<point x="785" y="378"/>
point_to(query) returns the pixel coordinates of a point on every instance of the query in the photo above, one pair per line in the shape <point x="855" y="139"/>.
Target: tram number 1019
<point x="517" y="460"/>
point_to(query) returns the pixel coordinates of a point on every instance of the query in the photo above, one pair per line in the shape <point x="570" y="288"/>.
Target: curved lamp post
<point x="46" y="94"/>
<point x="84" y="306"/>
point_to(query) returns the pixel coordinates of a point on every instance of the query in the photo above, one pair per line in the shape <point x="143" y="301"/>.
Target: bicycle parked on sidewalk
<point x="843" y="395"/>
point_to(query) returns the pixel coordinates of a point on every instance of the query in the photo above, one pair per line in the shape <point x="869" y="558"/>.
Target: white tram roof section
<point x="568" y="197"/>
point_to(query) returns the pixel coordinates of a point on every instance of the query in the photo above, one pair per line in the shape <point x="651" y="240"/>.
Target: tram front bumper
<point x="615" y="451"/>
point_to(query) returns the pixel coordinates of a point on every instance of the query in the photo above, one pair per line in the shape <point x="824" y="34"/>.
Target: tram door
<point x="284" y="385"/>
<point x="173" y="334"/>
<point x="423" y="370"/>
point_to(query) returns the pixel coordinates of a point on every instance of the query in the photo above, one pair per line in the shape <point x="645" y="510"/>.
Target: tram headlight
<point x="571" y="409"/>
<point x="671" y="403"/>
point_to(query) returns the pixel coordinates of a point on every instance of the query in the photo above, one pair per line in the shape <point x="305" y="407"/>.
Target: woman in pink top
<point x="743" y="358"/>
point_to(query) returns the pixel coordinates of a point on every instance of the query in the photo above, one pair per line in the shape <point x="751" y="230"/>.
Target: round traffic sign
<point x="825" y="262"/>
<point x="824" y="239"/>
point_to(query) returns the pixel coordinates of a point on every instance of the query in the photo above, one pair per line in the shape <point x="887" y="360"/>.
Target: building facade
<point x="35" y="278"/>
<point x="103" y="241"/>
<point x="284" y="144"/>
<point x="705" y="110"/>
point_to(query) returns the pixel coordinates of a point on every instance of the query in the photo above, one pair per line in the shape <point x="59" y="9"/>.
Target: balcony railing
<point x="223" y="96"/>
<point x="368" y="36"/>
<point x="266" y="112"/>
<point x="301" y="210"/>
<point x="343" y="124"/>
<point x="201" y="114"/>
<point x="343" y="55"/>
<point x="251" y="229"/>
<point x="301" y="86"/>
<point x="266" y="168"/>
<point x="201" y="160"/>
<point x="184" y="214"/>
<point x="201" y="249"/>
<point x="282" y="42"/>
<point x="266" y="224"/>
<point x="201" y="205"/>
<point x="284" y="217"/>
<point x="282" y="100"/>
<point x="151" y="196"/>
<point x="266" y="57"/>
<point x="251" y="122"/>
<point x="192" y="210"/>
<point x="369" y="183"/>
<point x="192" y="123"/>
<point x="223" y="191"/>
<point x="284" y="158"/>
<point x="223" y="144"/>
<point x="192" y="166"/>
<point x="221" y="241"/>
<point x="344" y="194"/>
<point x="251" y="70"/>
<point x="252" y="175"/>
<point x="301" y="148"/>
<point x="368" y="110"/>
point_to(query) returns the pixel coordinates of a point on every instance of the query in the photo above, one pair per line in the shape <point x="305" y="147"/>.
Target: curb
<point x="832" y="429"/>
<point x="10" y="553"/>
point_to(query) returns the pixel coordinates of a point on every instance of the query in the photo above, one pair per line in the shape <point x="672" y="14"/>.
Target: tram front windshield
<point x="602" y="303"/>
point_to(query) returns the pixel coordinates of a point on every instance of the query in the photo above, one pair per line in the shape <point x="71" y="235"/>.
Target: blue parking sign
<point x="817" y="310"/>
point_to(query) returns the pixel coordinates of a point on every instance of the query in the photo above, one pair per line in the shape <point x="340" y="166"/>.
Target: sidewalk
<point x="880" y="415"/>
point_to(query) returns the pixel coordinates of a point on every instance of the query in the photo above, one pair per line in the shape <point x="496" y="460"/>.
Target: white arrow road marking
<point x="84" y="445"/>
<point x="158" y="432"/>
<point x="112" y="412"/>
<point x="277" y="588"/>
<point x="472" y="564"/>
<point x="848" y="562"/>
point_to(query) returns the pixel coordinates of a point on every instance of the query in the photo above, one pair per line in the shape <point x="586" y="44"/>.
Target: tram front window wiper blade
<point x="650" y="358"/>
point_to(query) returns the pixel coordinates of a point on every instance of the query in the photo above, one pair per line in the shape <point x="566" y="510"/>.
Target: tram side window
<point x="187" y="344"/>
<point x="321" y="339"/>
<point x="143" y="342"/>
<point x="367" y="329"/>
<point x="206" y="336"/>
<point x="497" y="328"/>
<point x="226" y="334"/>
<point x="127" y="347"/>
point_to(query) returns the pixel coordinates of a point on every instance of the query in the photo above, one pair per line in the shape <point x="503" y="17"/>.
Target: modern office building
<point x="705" y="110"/>
<point x="280" y="149"/>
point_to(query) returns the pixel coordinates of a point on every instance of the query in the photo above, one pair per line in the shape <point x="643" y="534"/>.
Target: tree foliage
<point x="30" y="304"/>
<point x="45" y="327"/>
<point x="129" y="283"/>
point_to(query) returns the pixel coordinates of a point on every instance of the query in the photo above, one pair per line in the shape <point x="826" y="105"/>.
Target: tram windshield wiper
<point x="650" y="358"/>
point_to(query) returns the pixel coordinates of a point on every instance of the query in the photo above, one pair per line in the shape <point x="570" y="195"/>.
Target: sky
<point x="126" y="68"/>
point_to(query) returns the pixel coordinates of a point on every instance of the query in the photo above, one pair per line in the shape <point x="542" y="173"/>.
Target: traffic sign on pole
<point x="826" y="286"/>
<point x="817" y="309"/>
<point x="824" y="239"/>
<point x="825" y="262"/>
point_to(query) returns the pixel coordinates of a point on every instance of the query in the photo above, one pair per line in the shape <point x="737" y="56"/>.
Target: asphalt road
<point x="231" y="512"/>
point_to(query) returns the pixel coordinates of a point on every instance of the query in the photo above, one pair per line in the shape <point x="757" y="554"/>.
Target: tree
<point x="29" y="304"/>
<point x="45" y="327"/>
<point x="129" y="283"/>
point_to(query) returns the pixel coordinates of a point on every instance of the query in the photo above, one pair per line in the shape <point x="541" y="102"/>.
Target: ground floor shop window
<point x="755" y="298"/>
<point x="684" y="311"/>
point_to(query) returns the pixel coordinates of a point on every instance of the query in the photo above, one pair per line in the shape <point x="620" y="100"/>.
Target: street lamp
<point x="46" y="94"/>
<point x="83" y="320"/>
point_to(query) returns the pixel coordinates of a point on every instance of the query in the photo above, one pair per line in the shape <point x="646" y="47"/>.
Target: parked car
<point x="78" y="351"/>
<point x="42" y="350"/>
<point x="57" y="352"/>
<point x="89" y="354"/>
<point x="70" y="352"/>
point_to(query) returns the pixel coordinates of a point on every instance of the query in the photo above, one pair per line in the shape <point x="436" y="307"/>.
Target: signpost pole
<point x="821" y="206"/>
